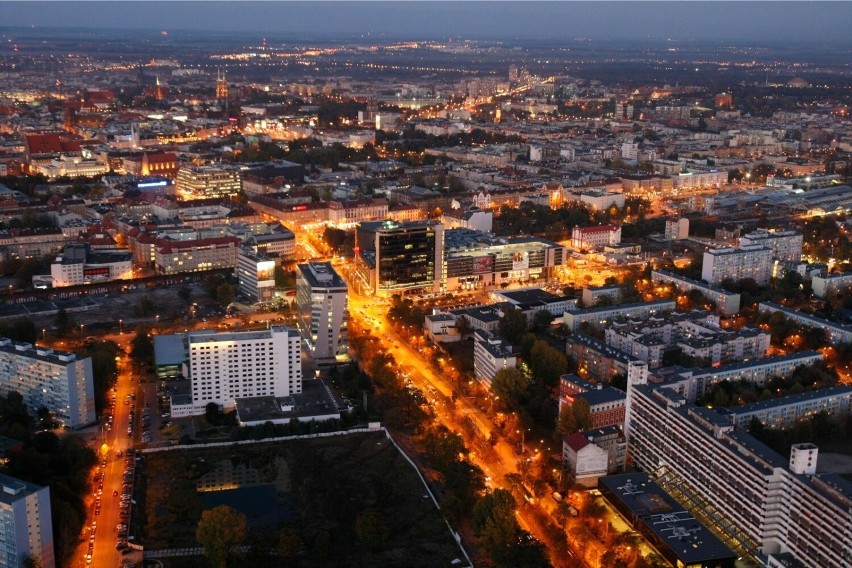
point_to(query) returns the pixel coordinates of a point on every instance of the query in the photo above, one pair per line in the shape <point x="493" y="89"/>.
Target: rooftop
<point x="321" y="275"/>
<point x="14" y="489"/>
<point x="316" y="399"/>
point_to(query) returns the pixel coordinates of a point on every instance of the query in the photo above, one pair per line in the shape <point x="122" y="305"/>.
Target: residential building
<point x="597" y="359"/>
<point x="839" y="333"/>
<point x="677" y="229"/>
<point x="56" y="380"/>
<point x="26" y="524"/>
<point x="606" y="404"/>
<point x="474" y="219"/>
<point x="592" y="295"/>
<point x="347" y="214"/>
<point x="787" y="411"/>
<point x="595" y="238"/>
<point x="612" y="440"/>
<point x="727" y="303"/>
<point x="80" y="264"/>
<point x="256" y="275"/>
<point x="322" y="306"/>
<point x="753" y="261"/>
<point x="486" y="318"/>
<point x="491" y="354"/>
<point x="584" y="461"/>
<point x="599" y="316"/>
<point x="693" y="384"/>
<point x="837" y="283"/>
<point x="205" y="182"/>
<point x="785" y="245"/>
<point x="763" y="503"/>
<point x="230" y="365"/>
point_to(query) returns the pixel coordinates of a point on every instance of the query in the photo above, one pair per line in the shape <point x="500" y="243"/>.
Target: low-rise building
<point x="612" y="440"/>
<point x="584" y="461"/>
<point x="832" y="283"/>
<point x="196" y="255"/>
<point x="79" y="264"/>
<point x="596" y="237"/>
<point x="592" y="295"/>
<point x="441" y="328"/>
<point x="606" y="404"/>
<point x="727" y="303"/>
<point x="533" y="300"/>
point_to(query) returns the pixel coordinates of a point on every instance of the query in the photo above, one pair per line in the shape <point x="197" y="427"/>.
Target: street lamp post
<point x="119" y="327"/>
<point x="43" y="334"/>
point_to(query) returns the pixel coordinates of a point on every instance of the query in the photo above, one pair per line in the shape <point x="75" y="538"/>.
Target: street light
<point x="43" y="334"/>
<point x="119" y="326"/>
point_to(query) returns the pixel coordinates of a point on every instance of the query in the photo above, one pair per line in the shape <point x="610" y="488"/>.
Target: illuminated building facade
<point x="322" y="305"/>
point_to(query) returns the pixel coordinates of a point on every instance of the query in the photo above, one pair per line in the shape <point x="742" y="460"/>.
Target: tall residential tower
<point x="321" y="300"/>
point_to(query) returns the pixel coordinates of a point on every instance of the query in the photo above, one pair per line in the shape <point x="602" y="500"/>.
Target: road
<point x="116" y="440"/>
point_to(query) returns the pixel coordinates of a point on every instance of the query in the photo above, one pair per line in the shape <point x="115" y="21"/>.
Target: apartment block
<point x="57" y="380"/>
<point x="26" y="526"/>
<point x="785" y="245"/>
<point x="840" y="333"/>
<point x="599" y="316"/>
<point x="727" y="303"/>
<point x="753" y="261"/>
<point x="256" y="275"/>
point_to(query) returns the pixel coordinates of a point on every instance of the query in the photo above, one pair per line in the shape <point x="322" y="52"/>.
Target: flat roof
<point x="531" y="297"/>
<point x="316" y="399"/>
<point x="169" y="349"/>
<point x="13" y="489"/>
<point x="827" y="392"/>
<point x="321" y="275"/>
<point x="673" y="526"/>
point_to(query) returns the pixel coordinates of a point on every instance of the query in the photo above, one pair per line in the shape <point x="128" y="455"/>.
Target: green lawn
<point x="332" y="481"/>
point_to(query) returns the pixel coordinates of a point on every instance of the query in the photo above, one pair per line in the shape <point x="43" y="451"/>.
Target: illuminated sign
<point x="153" y="184"/>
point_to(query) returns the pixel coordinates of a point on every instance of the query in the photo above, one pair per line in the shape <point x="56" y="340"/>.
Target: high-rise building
<point x="26" y="526"/>
<point x="230" y="365"/>
<point x="753" y="261"/>
<point x="400" y="257"/>
<point x="321" y="301"/>
<point x="56" y="380"/>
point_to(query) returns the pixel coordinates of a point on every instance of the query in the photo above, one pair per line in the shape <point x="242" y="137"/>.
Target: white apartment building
<point x="322" y="305"/>
<point x="57" y="380"/>
<point x="595" y="238"/>
<point x="490" y="354"/>
<point x="231" y="365"/>
<point x="584" y="460"/>
<point x="837" y="332"/>
<point x="256" y="275"/>
<point x="726" y="302"/>
<point x="26" y="525"/>
<point x="786" y="411"/>
<point x="766" y="504"/>
<point x="207" y="182"/>
<point x="677" y="229"/>
<point x="785" y="245"/>
<point x="754" y="261"/>
<point x="599" y="316"/>
<point x="823" y="285"/>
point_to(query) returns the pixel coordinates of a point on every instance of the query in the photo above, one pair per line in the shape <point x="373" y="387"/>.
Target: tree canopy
<point x="220" y="529"/>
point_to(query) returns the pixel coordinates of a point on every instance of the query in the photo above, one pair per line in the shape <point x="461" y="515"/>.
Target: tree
<point x="371" y="529"/>
<point x="212" y="414"/>
<point x="510" y="385"/>
<point x="542" y="319"/>
<point x="224" y="294"/>
<point x="546" y="363"/>
<point x="289" y="544"/>
<point x="185" y="293"/>
<point x="142" y="348"/>
<point x="494" y="522"/>
<point x="220" y="529"/>
<point x="512" y="326"/>
<point x="62" y="322"/>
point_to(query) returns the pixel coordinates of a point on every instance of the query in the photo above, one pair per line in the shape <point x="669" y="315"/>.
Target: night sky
<point x="744" y="22"/>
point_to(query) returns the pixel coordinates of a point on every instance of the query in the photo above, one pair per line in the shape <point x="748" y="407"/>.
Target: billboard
<point x="483" y="265"/>
<point x="520" y="260"/>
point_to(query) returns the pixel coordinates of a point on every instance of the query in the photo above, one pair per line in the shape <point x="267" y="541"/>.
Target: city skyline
<point x="785" y="22"/>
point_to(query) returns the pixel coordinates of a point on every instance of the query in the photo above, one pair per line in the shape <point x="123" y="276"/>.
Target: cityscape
<point x="409" y="284"/>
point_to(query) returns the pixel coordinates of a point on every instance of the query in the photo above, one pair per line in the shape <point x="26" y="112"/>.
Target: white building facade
<point x="26" y="525"/>
<point x="322" y="305"/>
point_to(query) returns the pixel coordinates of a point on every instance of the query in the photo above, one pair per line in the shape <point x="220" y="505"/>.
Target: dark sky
<point x="747" y="22"/>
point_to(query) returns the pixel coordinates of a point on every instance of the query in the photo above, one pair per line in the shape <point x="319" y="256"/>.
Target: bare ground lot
<point x="325" y="483"/>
